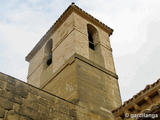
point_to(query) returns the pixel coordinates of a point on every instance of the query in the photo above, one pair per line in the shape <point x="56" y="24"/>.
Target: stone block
<point x="33" y="90"/>
<point x="4" y="103"/>
<point x="16" y="107"/>
<point x="43" y="101"/>
<point x="10" y="87"/>
<point x="21" y="90"/>
<point x="2" y="85"/>
<point x="5" y="94"/>
<point x="11" y="115"/>
<point x="2" y="112"/>
<point x="24" y="118"/>
<point x="16" y="99"/>
<point x="28" y="112"/>
<point x="43" y="115"/>
<point x="72" y="112"/>
<point x="47" y="96"/>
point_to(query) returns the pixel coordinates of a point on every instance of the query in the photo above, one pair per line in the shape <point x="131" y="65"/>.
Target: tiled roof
<point x="60" y="19"/>
<point x="109" y="29"/>
<point x="141" y="93"/>
<point x="153" y="109"/>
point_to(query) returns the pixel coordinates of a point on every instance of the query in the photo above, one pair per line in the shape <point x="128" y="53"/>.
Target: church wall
<point x="102" y="89"/>
<point x="87" y="84"/>
<point x="34" y="78"/>
<point x="108" y="59"/>
<point x="21" y="101"/>
<point x="63" y="83"/>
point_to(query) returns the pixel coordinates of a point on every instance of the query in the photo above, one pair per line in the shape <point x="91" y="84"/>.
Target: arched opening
<point x="48" y="52"/>
<point x="92" y="36"/>
<point x="91" y="42"/>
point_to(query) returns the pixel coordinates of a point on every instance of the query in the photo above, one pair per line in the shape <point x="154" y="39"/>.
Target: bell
<point x="49" y="61"/>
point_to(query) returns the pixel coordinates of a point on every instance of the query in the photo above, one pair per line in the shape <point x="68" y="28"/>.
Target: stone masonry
<point x="77" y="73"/>
<point x="21" y="101"/>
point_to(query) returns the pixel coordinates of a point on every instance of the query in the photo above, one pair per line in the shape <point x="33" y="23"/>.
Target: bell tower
<point x="74" y="61"/>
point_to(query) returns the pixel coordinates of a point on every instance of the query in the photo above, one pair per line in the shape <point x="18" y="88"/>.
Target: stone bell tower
<point x="73" y="60"/>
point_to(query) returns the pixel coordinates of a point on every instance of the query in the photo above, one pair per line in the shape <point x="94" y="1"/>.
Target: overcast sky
<point x="135" y="40"/>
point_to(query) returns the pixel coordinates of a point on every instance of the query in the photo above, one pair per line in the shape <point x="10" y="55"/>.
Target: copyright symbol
<point x="126" y="115"/>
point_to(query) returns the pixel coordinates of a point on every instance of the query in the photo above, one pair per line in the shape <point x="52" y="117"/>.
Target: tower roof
<point x="61" y="19"/>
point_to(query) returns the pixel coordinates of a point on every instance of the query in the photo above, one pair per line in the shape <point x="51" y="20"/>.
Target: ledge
<point x="71" y="60"/>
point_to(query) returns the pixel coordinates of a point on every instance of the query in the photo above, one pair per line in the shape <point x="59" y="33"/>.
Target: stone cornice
<point x="71" y="60"/>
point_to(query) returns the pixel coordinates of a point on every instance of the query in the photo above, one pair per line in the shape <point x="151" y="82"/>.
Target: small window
<point x="49" y="60"/>
<point x="48" y="51"/>
<point x="92" y="36"/>
<point x="91" y="42"/>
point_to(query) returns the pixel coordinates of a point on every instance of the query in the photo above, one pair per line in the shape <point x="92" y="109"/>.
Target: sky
<point x="135" y="40"/>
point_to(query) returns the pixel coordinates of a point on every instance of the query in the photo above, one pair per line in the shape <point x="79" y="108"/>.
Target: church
<point x="71" y="76"/>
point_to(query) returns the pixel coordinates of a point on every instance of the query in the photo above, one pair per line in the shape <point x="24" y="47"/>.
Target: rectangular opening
<point x="142" y="102"/>
<point x="131" y="109"/>
<point x="153" y="95"/>
<point x="91" y="42"/>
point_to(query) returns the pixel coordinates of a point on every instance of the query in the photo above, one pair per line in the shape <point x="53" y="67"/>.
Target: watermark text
<point x="141" y="115"/>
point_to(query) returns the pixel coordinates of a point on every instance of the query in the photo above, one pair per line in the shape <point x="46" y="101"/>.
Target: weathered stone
<point x="4" y="103"/>
<point x="10" y="87"/>
<point x="11" y="80"/>
<point x="5" y="94"/>
<point x="38" y="106"/>
<point x="46" y="96"/>
<point x="43" y="115"/>
<point x="33" y="90"/>
<point x="2" y="84"/>
<point x="16" y="107"/>
<point x="28" y="111"/>
<point x="72" y="112"/>
<point x="2" y="112"/>
<point x="21" y="90"/>
<point x="42" y="101"/>
<point x="11" y="115"/>
<point x="24" y="118"/>
<point x="16" y="99"/>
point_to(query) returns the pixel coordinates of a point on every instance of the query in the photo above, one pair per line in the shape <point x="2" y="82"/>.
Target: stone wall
<point x="86" y="84"/>
<point x="21" y="101"/>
